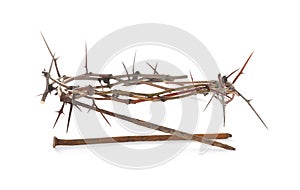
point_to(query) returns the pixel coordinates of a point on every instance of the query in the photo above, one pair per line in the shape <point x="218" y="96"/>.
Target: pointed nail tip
<point x="230" y="148"/>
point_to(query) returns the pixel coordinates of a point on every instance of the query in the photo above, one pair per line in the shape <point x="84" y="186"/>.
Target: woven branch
<point x="106" y="88"/>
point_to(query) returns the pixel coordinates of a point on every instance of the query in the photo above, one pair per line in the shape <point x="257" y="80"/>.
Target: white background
<point x="229" y="29"/>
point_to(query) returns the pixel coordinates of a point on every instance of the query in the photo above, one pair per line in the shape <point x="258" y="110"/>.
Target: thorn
<point x="153" y="68"/>
<point x="86" y="67"/>
<point x="241" y="71"/>
<point x="209" y="101"/>
<point x="126" y="70"/>
<point x="78" y="107"/>
<point x="248" y="102"/>
<point x="103" y="115"/>
<point x="133" y="62"/>
<point x="192" y="77"/>
<point x="61" y="111"/>
<point x="47" y="45"/>
<point x="52" y="55"/>
<point x="93" y="105"/>
<point x="232" y="73"/>
<point x="69" y="117"/>
<point x="224" y="111"/>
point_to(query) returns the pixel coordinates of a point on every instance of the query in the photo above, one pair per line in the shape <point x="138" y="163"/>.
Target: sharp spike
<point x="223" y="108"/>
<point x="248" y="102"/>
<point x="241" y="71"/>
<point x="93" y="105"/>
<point x="126" y="70"/>
<point x="69" y="117"/>
<point x="103" y="115"/>
<point x="86" y="66"/>
<point x="61" y="111"/>
<point x="232" y="73"/>
<point x="153" y="68"/>
<point x="78" y="107"/>
<point x="133" y="63"/>
<point x="52" y="55"/>
<point x="192" y="77"/>
<point x="209" y="101"/>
